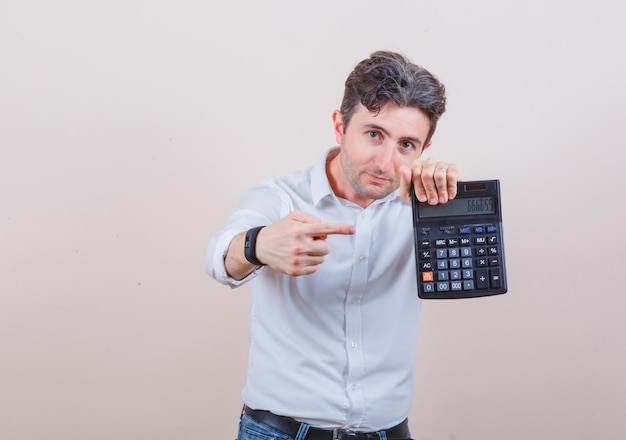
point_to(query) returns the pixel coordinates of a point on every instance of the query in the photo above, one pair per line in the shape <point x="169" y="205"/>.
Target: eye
<point x="406" y="145"/>
<point x="375" y="137"/>
<point x="373" y="134"/>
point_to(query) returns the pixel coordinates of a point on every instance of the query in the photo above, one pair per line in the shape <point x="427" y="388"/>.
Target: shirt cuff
<point x="215" y="264"/>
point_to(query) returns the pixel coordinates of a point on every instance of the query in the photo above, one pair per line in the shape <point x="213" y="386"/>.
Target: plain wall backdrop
<point x="128" y="129"/>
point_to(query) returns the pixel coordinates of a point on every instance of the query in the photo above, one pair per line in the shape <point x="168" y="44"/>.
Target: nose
<point x="384" y="157"/>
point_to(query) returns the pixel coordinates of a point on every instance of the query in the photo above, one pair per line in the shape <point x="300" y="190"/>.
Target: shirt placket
<point x="354" y="317"/>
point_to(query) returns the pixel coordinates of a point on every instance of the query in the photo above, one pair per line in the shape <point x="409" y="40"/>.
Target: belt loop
<point x="302" y="432"/>
<point x="335" y="434"/>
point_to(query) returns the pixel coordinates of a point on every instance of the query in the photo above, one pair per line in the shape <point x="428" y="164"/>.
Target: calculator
<point x="459" y="248"/>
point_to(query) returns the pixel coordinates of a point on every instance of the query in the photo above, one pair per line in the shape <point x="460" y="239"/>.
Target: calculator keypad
<point x="460" y="260"/>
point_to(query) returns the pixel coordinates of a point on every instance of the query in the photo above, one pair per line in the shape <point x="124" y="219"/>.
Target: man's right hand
<point x="296" y="244"/>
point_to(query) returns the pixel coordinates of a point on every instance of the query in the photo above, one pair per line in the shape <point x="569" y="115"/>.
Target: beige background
<point x="129" y="128"/>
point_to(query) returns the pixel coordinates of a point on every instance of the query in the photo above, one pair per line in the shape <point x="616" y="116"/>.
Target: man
<point x="334" y="312"/>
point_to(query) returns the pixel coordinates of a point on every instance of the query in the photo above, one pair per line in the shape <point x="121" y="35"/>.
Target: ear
<point x="338" y="126"/>
<point x="426" y="146"/>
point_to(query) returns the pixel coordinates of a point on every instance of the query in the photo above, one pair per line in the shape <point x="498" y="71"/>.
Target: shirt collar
<point x="320" y="186"/>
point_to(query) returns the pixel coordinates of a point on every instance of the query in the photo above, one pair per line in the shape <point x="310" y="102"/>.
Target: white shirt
<point x="335" y="349"/>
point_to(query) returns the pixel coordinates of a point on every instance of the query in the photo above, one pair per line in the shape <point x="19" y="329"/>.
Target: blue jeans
<point x="250" y="429"/>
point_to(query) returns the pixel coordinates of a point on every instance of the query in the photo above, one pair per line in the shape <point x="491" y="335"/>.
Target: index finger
<point x="323" y="229"/>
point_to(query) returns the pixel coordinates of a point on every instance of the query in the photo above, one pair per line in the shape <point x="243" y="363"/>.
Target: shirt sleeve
<point x="262" y="205"/>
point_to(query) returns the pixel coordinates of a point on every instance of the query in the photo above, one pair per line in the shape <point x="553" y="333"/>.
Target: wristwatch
<point x="249" y="247"/>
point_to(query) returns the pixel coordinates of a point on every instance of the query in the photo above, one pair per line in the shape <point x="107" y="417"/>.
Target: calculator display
<point x="459" y="245"/>
<point x="461" y="206"/>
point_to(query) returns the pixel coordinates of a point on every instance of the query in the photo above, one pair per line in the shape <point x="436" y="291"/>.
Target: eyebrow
<point x="415" y="140"/>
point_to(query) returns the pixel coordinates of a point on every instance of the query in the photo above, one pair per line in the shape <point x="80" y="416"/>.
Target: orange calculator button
<point x="427" y="276"/>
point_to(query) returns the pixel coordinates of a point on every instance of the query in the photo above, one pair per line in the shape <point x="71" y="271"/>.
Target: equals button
<point x="496" y="281"/>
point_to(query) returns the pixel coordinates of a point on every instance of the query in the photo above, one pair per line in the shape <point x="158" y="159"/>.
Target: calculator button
<point x="425" y="255"/>
<point x="481" y="251"/>
<point x="455" y="274"/>
<point x="427" y="265"/>
<point x="492" y="239"/>
<point x="480" y="240"/>
<point x="428" y="287"/>
<point x="442" y="253"/>
<point x="455" y="263"/>
<point x="443" y="287"/>
<point x="424" y="244"/>
<point x="466" y="262"/>
<point x="468" y="285"/>
<point x="427" y="276"/>
<point x="479" y="229"/>
<point x="481" y="262"/>
<point x="456" y="285"/>
<point x="442" y="264"/>
<point x="464" y="241"/>
<point x="482" y="279"/>
<point x="464" y="230"/>
<point x="494" y="261"/>
<point x="442" y="275"/>
<point x="440" y="242"/>
<point x="468" y="274"/>
<point x="466" y="252"/>
<point x="453" y="241"/>
<point x="492" y="228"/>
<point x="496" y="281"/>
<point x="453" y="252"/>
<point x="492" y="250"/>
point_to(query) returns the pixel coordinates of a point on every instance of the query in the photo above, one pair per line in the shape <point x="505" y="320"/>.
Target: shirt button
<point x="362" y="258"/>
<point x="354" y="387"/>
<point x="354" y="344"/>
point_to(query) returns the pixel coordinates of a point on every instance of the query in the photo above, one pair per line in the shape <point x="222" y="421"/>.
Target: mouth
<point x="377" y="179"/>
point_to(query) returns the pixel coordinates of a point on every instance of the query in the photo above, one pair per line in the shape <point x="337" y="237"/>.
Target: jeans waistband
<point x="291" y="427"/>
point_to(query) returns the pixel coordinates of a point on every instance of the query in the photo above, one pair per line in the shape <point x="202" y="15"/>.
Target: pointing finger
<point x="321" y="230"/>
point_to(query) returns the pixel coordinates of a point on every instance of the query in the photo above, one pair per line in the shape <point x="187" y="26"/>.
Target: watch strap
<point x="249" y="247"/>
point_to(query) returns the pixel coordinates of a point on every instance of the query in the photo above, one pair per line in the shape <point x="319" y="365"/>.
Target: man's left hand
<point x="434" y="181"/>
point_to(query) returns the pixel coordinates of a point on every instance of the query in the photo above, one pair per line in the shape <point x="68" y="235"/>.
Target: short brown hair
<point x="390" y="77"/>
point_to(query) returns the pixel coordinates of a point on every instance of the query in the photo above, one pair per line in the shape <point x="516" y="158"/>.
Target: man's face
<point x="373" y="148"/>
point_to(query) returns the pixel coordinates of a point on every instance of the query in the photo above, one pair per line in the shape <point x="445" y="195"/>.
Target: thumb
<point x="405" y="183"/>
<point x="304" y="217"/>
